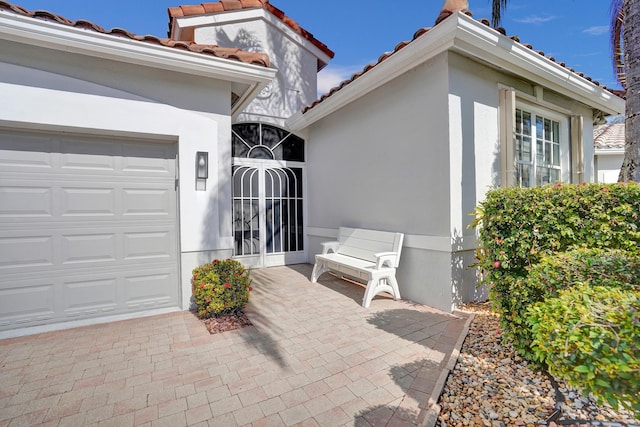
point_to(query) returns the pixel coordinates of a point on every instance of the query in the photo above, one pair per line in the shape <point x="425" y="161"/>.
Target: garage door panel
<point x="20" y="151"/>
<point x="25" y="201"/>
<point x="88" y="201"/>
<point x="20" y="201"/>
<point x="24" y="303"/>
<point x="26" y="252"/>
<point x="150" y="245"/>
<point x="145" y="290"/>
<point x="153" y="202"/>
<point x="139" y="158"/>
<point x="90" y="296"/>
<point x="80" y="199"/>
<point x="85" y="248"/>
<point x="88" y="229"/>
<point x="89" y="292"/>
<point x="87" y="156"/>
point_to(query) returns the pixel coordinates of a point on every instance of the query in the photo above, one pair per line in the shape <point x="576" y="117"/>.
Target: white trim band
<point x="414" y="241"/>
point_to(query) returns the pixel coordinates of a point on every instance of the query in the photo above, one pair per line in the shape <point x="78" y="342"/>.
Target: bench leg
<point x="318" y="270"/>
<point x="378" y="285"/>
<point x="370" y="292"/>
<point x="394" y="285"/>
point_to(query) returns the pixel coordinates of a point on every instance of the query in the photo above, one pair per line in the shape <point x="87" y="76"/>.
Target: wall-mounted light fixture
<point x="202" y="165"/>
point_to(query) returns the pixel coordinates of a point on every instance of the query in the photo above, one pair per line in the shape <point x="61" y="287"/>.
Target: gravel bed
<point x="492" y="386"/>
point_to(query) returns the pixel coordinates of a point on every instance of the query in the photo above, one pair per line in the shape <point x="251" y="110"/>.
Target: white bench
<point x="368" y="255"/>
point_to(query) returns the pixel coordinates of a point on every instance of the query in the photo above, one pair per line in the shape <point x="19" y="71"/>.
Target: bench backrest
<point x="364" y="244"/>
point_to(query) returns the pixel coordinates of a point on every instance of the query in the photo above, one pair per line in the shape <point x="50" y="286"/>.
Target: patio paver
<point x="313" y="356"/>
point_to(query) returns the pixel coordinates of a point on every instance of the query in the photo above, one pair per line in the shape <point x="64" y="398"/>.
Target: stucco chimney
<point x="451" y="6"/>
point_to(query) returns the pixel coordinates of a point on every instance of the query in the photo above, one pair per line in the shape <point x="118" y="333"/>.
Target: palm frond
<point x="617" y="45"/>
<point x="497" y="7"/>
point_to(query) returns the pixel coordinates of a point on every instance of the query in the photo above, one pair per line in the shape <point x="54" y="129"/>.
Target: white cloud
<point x="331" y="76"/>
<point x="597" y="30"/>
<point x="587" y="54"/>
<point x="535" y="19"/>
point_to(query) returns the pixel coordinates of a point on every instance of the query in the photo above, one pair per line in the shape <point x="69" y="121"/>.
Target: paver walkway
<point x="313" y="357"/>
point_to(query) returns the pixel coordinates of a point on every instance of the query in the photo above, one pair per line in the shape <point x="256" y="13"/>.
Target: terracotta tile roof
<point x="230" y="5"/>
<point x="212" y="50"/>
<point x="610" y="136"/>
<point x="423" y="31"/>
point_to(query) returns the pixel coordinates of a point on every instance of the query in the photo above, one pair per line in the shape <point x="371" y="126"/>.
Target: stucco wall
<point x="295" y="84"/>
<point x="382" y="162"/>
<point x="478" y="85"/>
<point x="65" y="92"/>
<point x="608" y="167"/>
<point x="474" y="114"/>
<point x="417" y="155"/>
<point x="383" y="151"/>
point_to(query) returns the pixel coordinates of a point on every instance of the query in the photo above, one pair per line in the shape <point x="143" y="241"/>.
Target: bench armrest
<point x="330" y="246"/>
<point x="388" y="258"/>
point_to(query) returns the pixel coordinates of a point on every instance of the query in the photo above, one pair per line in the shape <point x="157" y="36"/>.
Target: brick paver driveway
<point x="313" y="357"/>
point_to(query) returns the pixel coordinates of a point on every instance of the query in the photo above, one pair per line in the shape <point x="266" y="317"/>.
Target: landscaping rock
<point x="490" y="375"/>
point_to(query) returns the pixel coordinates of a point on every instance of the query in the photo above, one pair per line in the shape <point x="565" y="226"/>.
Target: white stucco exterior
<point x="73" y="85"/>
<point x="382" y="163"/>
<point x="608" y="165"/>
<point x="609" y="142"/>
<point x="413" y="145"/>
<point x="295" y="58"/>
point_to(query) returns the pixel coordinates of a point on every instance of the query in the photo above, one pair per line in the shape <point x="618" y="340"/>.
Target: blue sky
<point x="360" y="31"/>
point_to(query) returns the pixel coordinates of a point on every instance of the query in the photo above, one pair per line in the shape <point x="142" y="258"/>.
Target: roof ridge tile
<point x="82" y="23"/>
<point x="231" y="4"/>
<point x="212" y="7"/>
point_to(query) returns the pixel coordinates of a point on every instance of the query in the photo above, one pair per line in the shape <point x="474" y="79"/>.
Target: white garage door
<point x="88" y="227"/>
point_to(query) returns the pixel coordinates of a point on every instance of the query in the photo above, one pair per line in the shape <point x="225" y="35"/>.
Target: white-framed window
<point x="541" y="146"/>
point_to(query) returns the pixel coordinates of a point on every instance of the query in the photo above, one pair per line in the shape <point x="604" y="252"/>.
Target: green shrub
<point x="593" y="267"/>
<point x="588" y="335"/>
<point x="520" y="226"/>
<point x="220" y="287"/>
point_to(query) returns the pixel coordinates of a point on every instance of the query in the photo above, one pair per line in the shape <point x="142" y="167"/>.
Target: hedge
<point x="588" y="335"/>
<point x="520" y="226"/>
<point x="613" y="268"/>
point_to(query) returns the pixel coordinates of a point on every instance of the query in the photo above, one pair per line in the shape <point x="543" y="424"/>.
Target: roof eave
<point x="464" y="35"/>
<point x="26" y="30"/>
<point x="481" y="42"/>
<point x="608" y="151"/>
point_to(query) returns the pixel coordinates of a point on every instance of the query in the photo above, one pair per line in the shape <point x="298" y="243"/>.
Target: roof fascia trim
<point x="609" y="151"/>
<point x="27" y="30"/>
<point x="479" y="41"/>
<point x="464" y="35"/>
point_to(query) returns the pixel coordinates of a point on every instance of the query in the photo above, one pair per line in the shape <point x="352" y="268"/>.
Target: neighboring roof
<point x="609" y="137"/>
<point x="231" y="5"/>
<point x="255" y="58"/>
<point x="423" y="31"/>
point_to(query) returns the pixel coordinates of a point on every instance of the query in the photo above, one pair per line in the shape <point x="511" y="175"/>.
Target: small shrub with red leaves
<point x="220" y="287"/>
